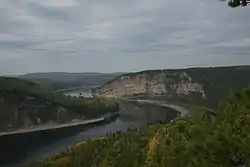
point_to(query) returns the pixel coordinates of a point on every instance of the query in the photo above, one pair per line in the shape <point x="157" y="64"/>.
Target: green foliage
<point x="198" y="141"/>
<point x="78" y="106"/>
<point x="61" y="80"/>
<point x="217" y="83"/>
<point x="237" y="3"/>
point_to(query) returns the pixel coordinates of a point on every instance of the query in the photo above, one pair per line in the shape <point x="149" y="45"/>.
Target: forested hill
<point x="24" y="103"/>
<point x="204" y="86"/>
<point x="61" y="80"/>
<point x="11" y="83"/>
<point x="198" y="141"/>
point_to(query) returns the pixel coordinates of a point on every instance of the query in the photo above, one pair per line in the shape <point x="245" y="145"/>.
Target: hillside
<point x="24" y="103"/>
<point x="198" y="141"/>
<point x="203" y="86"/>
<point x="61" y="80"/>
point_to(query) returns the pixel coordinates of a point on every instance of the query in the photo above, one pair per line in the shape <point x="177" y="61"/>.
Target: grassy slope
<point x="200" y="141"/>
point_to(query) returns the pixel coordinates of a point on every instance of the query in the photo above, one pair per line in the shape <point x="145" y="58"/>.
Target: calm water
<point x="131" y="115"/>
<point x="120" y="124"/>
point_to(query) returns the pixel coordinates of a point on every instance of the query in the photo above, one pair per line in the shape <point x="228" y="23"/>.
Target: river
<point x="131" y="115"/>
<point x="60" y="145"/>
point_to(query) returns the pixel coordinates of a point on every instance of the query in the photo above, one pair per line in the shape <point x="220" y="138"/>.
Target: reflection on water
<point x="131" y="115"/>
<point x="151" y="114"/>
<point x="94" y="132"/>
<point x="118" y="125"/>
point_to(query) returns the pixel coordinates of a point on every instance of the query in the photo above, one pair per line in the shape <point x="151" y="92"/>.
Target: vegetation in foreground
<point x="237" y="3"/>
<point x="200" y="141"/>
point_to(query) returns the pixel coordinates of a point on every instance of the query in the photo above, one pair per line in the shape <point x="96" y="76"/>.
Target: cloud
<point x="109" y="36"/>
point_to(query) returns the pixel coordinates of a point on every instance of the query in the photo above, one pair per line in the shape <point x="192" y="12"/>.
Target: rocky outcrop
<point x="156" y="83"/>
<point x="25" y="111"/>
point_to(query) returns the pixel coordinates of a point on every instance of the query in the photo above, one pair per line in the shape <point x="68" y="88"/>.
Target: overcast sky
<point x="120" y="35"/>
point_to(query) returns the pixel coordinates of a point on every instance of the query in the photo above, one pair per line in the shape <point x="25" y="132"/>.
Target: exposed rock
<point x="160" y="83"/>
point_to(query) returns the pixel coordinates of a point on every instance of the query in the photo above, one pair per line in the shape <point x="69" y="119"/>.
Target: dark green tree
<point x="237" y="3"/>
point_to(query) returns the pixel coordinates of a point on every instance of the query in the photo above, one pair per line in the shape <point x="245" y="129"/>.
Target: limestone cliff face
<point x="151" y="84"/>
<point x="22" y="112"/>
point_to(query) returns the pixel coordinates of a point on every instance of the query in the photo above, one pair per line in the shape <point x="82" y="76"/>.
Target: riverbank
<point x="200" y="140"/>
<point x="131" y="115"/>
<point x="15" y="146"/>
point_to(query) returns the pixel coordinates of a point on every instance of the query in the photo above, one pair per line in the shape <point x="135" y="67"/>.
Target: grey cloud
<point x="131" y="35"/>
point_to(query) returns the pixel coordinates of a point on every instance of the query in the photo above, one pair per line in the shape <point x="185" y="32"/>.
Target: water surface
<point x="132" y="115"/>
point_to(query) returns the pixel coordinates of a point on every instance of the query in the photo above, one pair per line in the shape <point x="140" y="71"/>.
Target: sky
<point x="120" y="35"/>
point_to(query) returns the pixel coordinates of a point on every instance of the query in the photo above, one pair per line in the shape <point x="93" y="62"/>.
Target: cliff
<point x="160" y="83"/>
<point x="206" y="86"/>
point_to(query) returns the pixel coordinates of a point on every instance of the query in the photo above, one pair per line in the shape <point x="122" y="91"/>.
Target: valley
<point x="131" y="115"/>
<point x="141" y="100"/>
<point x="133" y="83"/>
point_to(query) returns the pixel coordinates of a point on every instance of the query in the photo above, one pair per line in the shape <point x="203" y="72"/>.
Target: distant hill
<point x="204" y="86"/>
<point x="24" y="103"/>
<point x="61" y="80"/>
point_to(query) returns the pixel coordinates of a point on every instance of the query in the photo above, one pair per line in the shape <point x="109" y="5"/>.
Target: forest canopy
<point x="201" y="140"/>
<point x="77" y="105"/>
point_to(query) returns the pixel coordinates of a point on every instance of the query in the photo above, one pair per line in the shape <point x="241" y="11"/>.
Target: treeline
<point x="61" y="80"/>
<point x="201" y="140"/>
<point x="76" y="105"/>
<point x="217" y="83"/>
